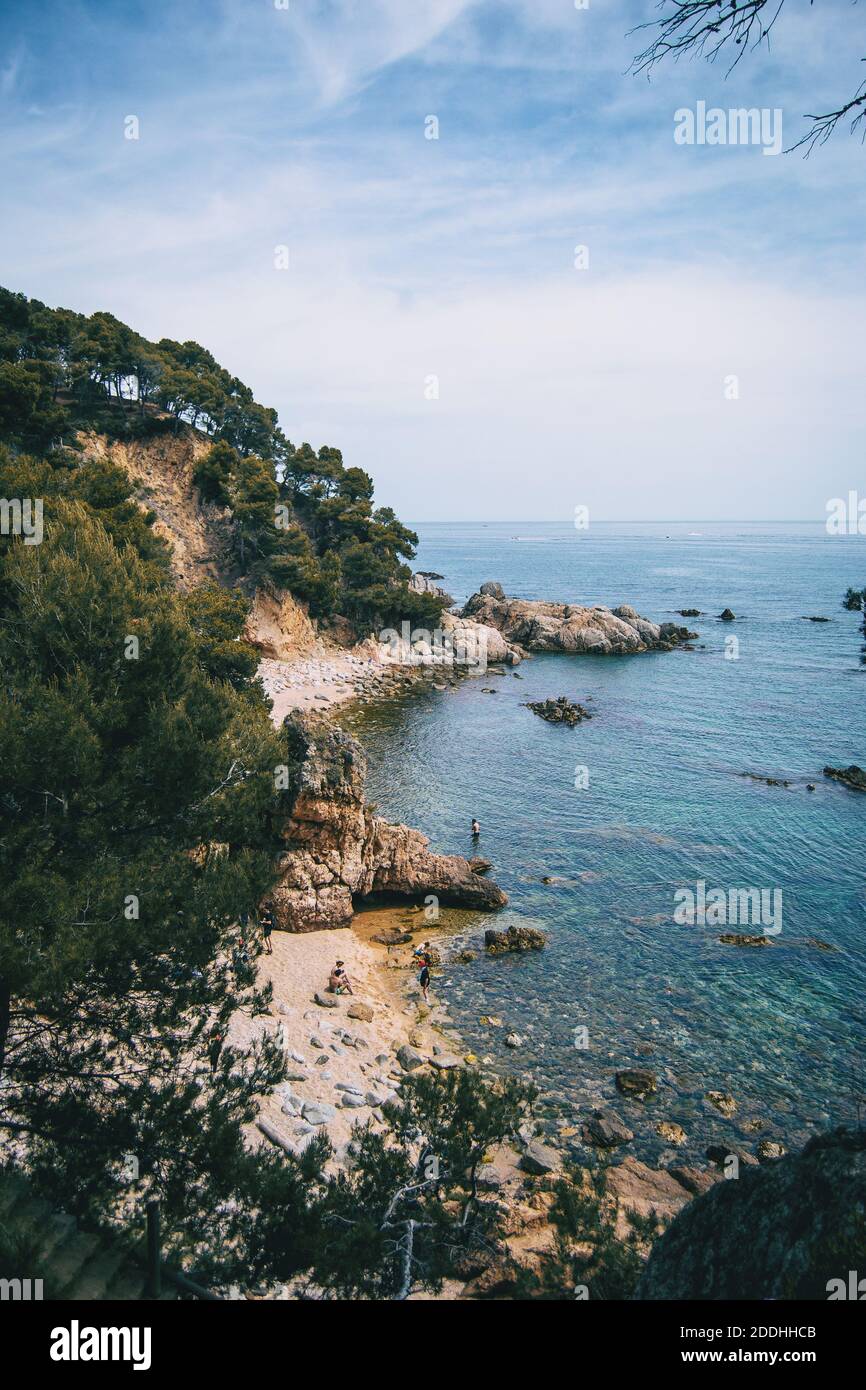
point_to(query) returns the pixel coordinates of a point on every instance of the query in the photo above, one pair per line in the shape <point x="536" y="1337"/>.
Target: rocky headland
<point x="534" y="626"/>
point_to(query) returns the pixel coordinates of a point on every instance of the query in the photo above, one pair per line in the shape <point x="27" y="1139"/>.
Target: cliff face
<point x="200" y="534"/>
<point x="568" y="627"/>
<point x="338" y="850"/>
<point x="161" y="470"/>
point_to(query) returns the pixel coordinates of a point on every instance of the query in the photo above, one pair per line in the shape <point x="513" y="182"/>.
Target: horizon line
<point x="627" y="521"/>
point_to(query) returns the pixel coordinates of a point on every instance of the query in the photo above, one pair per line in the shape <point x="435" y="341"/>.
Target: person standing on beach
<point x="424" y="978"/>
<point x="214" y="1047"/>
<point x="267" y="921"/>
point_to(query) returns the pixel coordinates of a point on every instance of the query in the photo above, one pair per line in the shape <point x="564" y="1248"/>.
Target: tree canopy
<point x="300" y="518"/>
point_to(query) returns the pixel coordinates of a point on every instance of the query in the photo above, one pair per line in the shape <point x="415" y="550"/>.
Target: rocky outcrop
<point x="645" y="1191"/>
<point x="478" y="643"/>
<point x="279" y="626"/>
<point x="500" y="943"/>
<point x="790" y="1228"/>
<point x="564" y="627"/>
<point x="337" y="849"/>
<point x="424" y="582"/>
<point x="853" y="776"/>
<point x="561" y="711"/>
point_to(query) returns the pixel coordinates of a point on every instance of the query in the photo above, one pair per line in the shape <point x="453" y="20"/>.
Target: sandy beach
<point x="343" y="1069"/>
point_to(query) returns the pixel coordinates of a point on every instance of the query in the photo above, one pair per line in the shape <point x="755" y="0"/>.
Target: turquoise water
<point x="780" y="1027"/>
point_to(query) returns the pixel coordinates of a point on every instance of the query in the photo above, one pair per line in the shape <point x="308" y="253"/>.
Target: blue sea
<point x="646" y="799"/>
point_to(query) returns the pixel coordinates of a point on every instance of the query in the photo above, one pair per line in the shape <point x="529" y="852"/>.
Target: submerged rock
<point x="500" y="943"/>
<point x="638" y="1082"/>
<point x="671" y="1133"/>
<point x="733" y="938"/>
<point x="724" y="1103"/>
<point x="727" y="616"/>
<point x="770" y="1149"/>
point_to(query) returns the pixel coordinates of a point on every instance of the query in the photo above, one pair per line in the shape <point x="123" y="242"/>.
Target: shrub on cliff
<point x="589" y="1257"/>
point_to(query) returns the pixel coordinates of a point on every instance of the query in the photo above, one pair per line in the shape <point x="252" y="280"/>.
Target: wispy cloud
<point x="454" y="257"/>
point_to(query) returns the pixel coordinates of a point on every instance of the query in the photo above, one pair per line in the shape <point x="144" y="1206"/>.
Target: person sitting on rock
<point x="338" y="983"/>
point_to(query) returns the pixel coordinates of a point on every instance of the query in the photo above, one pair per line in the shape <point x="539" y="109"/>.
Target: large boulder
<point x="643" y="1191"/>
<point x="477" y="645"/>
<point x="606" y="1130"/>
<point x="532" y="625"/>
<point x="337" y="849"/>
<point x="539" y="1159"/>
<point x="783" y="1230"/>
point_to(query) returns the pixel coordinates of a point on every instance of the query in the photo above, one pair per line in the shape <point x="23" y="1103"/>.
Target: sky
<point x="701" y="358"/>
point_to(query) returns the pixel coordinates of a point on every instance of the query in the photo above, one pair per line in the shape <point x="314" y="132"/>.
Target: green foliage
<point x="104" y="488"/>
<point x="216" y="617"/>
<point x="588" y="1253"/>
<point x="854" y="600"/>
<point x="140" y="819"/>
<point x="213" y="473"/>
<point x="405" y="1210"/>
<point x="61" y="372"/>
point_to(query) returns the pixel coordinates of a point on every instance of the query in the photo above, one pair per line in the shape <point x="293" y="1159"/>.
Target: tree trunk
<point x="5" y="1008"/>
